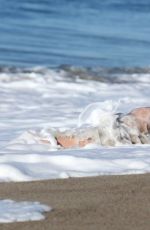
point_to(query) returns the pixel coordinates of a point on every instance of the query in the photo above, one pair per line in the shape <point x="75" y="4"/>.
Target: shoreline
<point x="102" y="202"/>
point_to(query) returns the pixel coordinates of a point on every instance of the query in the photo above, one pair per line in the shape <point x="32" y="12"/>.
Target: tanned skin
<point x="142" y="118"/>
<point x="138" y="118"/>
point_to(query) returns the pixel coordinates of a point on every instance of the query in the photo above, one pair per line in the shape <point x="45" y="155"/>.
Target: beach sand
<point x="96" y="203"/>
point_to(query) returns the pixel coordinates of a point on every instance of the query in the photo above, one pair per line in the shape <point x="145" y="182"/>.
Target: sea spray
<point x="102" y="115"/>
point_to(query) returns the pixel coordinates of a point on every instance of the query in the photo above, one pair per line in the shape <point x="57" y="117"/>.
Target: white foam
<point x="12" y="211"/>
<point x="36" y="102"/>
<point x="98" y="160"/>
<point x="100" y="113"/>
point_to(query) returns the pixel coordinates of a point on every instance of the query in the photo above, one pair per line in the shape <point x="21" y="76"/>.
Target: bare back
<point x="142" y="117"/>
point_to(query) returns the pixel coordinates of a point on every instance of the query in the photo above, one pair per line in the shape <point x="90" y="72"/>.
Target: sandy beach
<point x="105" y="202"/>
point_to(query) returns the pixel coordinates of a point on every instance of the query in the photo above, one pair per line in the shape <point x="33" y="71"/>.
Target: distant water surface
<point x="79" y="33"/>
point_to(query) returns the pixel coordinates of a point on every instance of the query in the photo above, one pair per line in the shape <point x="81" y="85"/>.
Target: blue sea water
<point x="86" y="33"/>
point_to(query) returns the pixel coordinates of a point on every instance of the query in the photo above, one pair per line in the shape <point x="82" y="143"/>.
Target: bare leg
<point x="72" y="141"/>
<point x="79" y="138"/>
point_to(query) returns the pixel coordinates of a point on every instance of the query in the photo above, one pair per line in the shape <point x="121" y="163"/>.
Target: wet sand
<point x="96" y="203"/>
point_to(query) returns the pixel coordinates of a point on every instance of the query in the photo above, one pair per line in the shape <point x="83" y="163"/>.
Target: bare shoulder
<point x="140" y="111"/>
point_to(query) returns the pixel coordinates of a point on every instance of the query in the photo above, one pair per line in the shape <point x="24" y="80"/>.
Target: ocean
<point x="64" y="60"/>
<point x="87" y="33"/>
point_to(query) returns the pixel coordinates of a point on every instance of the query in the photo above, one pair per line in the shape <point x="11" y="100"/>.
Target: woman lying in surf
<point x="131" y="128"/>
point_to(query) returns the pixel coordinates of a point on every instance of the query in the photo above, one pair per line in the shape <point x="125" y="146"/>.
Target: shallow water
<point x="90" y="51"/>
<point x="86" y="33"/>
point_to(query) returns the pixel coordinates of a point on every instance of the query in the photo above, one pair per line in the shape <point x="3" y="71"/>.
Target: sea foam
<point x="35" y="101"/>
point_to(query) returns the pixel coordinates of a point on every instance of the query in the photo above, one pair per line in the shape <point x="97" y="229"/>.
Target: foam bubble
<point x="12" y="211"/>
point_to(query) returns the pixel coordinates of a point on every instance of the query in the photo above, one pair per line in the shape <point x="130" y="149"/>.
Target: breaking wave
<point x="71" y="73"/>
